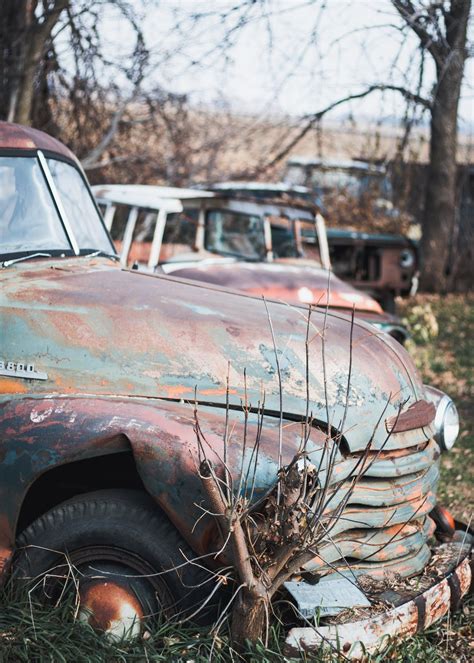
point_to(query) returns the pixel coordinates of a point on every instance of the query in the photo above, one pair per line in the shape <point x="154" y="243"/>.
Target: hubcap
<point x="112" y="608"/>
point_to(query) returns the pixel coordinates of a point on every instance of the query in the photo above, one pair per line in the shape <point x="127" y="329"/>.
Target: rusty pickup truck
<point x="101" y="371"/>
<point x="384" y="265"/>
<point x="274" y="247"/>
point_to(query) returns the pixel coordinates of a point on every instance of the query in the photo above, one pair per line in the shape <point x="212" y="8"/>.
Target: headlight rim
<point x="442" y="409"/>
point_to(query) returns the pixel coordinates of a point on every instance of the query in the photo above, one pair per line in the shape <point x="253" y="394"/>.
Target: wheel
<point x="109" y="547"/>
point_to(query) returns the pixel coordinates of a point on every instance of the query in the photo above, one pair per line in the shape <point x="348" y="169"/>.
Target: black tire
<point x="123" y="532"/>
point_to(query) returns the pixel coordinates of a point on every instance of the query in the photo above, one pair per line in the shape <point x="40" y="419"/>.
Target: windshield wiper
<point x="112" y="256"/>
<point x="7" y="263"/>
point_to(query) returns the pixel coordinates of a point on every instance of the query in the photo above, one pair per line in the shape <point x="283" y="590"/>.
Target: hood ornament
<point x="12" y="369"/>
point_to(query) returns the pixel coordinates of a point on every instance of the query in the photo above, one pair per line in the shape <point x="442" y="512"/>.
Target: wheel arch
<point x="115" y="470"/>
<point x="58" y="447"/>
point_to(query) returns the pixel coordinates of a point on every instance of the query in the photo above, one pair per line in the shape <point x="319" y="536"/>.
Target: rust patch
<point x="9" y="386"/>
<point x="15" y="136"/>
<point x="418" y="415"/>
<point x="369" y="635"/>
<point x="107" y="603"/>
<point x="5" y="557"/>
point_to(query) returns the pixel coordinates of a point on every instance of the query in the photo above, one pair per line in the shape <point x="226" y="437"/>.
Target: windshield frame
<point x="42" y="156"/>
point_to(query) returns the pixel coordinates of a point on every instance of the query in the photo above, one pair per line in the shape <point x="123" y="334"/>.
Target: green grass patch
<point x="443" y="349"/>
<point x="32" y="633"/>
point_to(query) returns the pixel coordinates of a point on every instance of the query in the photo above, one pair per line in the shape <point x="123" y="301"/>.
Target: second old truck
<point x="273" y="247"/>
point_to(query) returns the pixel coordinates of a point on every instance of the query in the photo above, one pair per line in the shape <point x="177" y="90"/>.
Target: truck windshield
<point x="30" y="220"/>
<point x="235" y="234"/>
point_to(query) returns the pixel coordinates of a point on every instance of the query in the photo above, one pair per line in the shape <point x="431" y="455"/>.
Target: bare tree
<point x="438" y="28"/>
<point x="40" y="87"/>
<point x="269" y="538"/>
<point x="25" y="30"/>
<point x="441" y="28"/>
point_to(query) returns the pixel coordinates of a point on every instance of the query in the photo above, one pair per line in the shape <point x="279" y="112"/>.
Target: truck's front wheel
<point x="114" y="550"/>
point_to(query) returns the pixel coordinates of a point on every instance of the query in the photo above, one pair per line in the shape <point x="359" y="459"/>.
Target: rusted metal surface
<point x="109" y="607"/>
<point x="18" y="137"/>
<point x="283" y="282"/>
<point x="373" y="262"/>
<point x="52" y="431"/>
<point x="121" y="370"/>
<point x="417" y="415"/>
<point x="355" y="639"/>
<point x="293" y="280"/>
<point x="376" y="551"/>
<point x="5" y="555"/>
<point x="167" y="337"/>
<point x="376" y="262"/>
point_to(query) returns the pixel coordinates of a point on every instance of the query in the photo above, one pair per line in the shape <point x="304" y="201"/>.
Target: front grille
<point x="385" y="525"/>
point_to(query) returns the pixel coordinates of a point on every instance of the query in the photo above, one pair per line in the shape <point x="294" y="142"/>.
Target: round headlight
<point x="446" y="423"/>
<point x="407" y="259"/>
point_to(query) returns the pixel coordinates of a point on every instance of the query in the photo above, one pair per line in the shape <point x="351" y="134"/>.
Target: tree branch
<point x="313" y="119"/>
<point x="94" y="155"/>
<point x="412" y="18"/>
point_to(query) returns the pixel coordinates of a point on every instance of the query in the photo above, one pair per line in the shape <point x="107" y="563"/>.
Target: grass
<point x="34" y="634"/>
<point x="446" y="361"/>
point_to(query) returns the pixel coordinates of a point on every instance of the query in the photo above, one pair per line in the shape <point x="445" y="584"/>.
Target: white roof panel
<point x="149" y="196"/>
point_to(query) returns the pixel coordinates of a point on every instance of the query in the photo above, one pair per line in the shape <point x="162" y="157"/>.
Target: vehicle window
<point x="80" y="209"/>
<point x="233" y="233"/>
<point x="283" y="238"/>
<point x="179" y="236"/>
<point x="119" y="223"/>
<point x="29" y="220"/>
<point x="142" y="237"/>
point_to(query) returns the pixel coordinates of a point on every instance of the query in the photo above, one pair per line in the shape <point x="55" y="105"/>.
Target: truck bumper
<point x="355" y="638"/>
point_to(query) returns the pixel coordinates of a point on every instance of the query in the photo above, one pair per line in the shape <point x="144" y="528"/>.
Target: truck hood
<point x="95" y="329"/>
<point x="283" y="281"/>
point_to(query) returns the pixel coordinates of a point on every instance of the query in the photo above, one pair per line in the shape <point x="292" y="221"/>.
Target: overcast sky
<point x="294" y="60"/>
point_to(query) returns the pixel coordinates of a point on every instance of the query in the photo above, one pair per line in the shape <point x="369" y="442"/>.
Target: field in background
<point x="443" y="348"/>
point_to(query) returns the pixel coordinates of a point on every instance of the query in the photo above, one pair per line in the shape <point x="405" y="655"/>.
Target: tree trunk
<point x="24" y="40"/>
<point x="440" y="204"/>
<point x="249" y="616"/>
<point x="13" y="17"/>
<point x="22" y="107"/>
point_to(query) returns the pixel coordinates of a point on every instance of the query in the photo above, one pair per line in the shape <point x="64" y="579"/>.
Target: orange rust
<point x="5" y="557"/>
<point x="105" y="602"/>
<point x="418" y="415"/>
<point x="368" y="635"/>
<point x="176" y="390"/>
<point x="217" y="392"/>
<point x="9" y="386"/>
<point x="447" y="515"/>
<point x="394" y="453"/>
<point x="445" y="523"/>
<point x="464" y="575"/>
